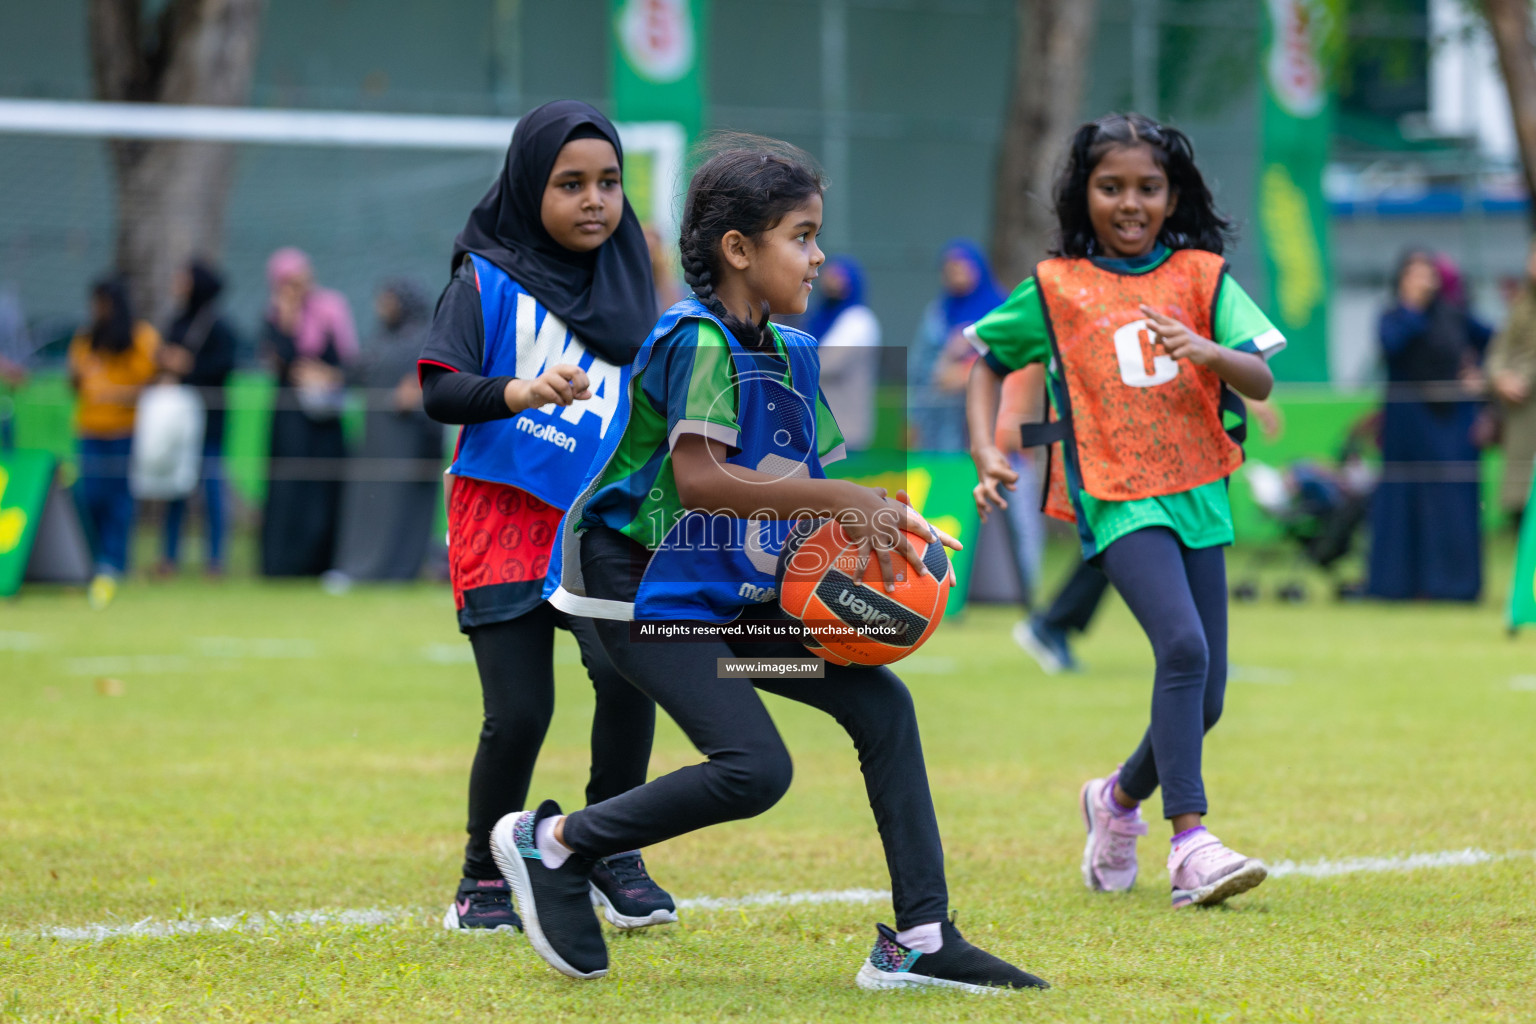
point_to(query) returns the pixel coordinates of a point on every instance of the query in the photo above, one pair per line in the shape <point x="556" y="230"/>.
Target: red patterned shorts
<point x="496" y="534"/>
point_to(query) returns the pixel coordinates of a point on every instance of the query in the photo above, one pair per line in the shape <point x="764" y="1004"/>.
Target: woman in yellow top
<point x="110" y="361"/>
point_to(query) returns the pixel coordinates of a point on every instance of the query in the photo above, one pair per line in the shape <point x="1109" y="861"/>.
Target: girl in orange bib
<point x="1147" y="338"/>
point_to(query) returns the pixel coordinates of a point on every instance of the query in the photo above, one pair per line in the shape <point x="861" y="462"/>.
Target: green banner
<point x="940" y="488"/>
<point x="1522" y="592"/>
<point x="1293" y="216"/>
<point x="25" y="477"/>
<point x="658" y="61"/>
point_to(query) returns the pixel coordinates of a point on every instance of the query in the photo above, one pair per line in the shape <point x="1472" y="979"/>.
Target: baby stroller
<point x="1319" y="509"/>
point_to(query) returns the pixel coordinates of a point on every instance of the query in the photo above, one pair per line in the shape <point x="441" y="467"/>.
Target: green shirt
<point x="1015" y="334"/>
<point x="687" y="387"/>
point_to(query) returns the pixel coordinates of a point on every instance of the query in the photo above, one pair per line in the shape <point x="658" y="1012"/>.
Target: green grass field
<point x="279" y="751"/>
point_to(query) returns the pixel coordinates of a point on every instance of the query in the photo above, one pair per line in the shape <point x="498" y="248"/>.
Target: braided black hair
<point x="747" y="185"/>
<point x="1195" y="222"/>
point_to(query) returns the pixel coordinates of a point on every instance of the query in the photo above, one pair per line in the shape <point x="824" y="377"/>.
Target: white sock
<point x="551" y="849"/>
<point x="925" y="938"/>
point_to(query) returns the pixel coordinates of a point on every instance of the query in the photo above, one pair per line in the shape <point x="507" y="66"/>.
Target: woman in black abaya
<point x="394" y="481"/>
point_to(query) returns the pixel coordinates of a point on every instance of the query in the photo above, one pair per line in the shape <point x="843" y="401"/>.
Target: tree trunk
<point x="1049" y="61"/>
<point x="170" y="195"/>
<point x="1510" y="23"/>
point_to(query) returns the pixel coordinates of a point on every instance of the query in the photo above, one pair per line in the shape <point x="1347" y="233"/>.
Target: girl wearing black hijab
<point x="200" y="351"/>
<point x="529" y="350"/>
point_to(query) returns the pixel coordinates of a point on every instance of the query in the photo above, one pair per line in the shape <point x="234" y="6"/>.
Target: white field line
<point x="1411" y="862"/>
<point x="785" y="899"/>
<point x="129" y="664"/>
<point x="10" y="640"/>
<point x="1256" y="674"/>
<point x="252" y="648"/>
<point x="149" y="928"/>
<point x="1525" y="683"/>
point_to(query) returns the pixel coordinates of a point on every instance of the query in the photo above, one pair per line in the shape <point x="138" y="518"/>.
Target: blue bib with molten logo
<point x="545" y="451"/>
<point x="710" y="566"/>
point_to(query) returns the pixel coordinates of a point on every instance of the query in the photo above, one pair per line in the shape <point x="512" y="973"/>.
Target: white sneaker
<point x="1109" y="856"/>
<point x="1036" y="646"/>
<point x="1204" y="872"/>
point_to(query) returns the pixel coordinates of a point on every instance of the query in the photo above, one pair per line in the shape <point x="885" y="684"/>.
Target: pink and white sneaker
<point x="1109" y="856"/>
<point x="1204" y="872"/>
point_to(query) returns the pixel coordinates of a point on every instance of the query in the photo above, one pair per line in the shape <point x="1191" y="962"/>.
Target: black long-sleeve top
<point x="452" y="388"/>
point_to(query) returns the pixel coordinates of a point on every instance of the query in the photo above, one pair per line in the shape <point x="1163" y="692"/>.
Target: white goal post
<point x="660" y="145"/>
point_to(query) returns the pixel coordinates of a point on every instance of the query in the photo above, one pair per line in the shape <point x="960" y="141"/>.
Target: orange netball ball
<point x="854" y="620"/>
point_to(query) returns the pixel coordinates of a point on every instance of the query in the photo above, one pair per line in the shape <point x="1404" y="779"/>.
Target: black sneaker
<point x="627" y="896"/>
<point x="555" y="905"/>
<point x="958" y="964"/>
<point x="482" y="905"/>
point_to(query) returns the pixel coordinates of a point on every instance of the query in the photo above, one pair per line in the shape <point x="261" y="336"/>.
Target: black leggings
<point x="748" y="768"/>
<point x="517" y="679"/>
<point x="1179" y="595"/>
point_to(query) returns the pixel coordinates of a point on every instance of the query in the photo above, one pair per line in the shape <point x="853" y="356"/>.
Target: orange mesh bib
<point x="1143" y="424"/>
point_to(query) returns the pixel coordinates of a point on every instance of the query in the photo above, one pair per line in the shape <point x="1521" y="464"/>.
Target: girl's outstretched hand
<point x="876" y="524"/>
<point x="993" y="475"/>
<point x="1179" y="340"/>
<point x="1245" y="372"/>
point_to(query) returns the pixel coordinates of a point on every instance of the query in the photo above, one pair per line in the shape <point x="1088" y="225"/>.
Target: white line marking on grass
<point x="1411" y="862"/>
<point x="239" y="647"/>
<point x="1526" y="684"/>
<point x="1253" y="674"/>
<point x="124" y="664"/>
<point x="149" y="928"/>
<point x="783" y="899"/>
<point x="11" y="640"/>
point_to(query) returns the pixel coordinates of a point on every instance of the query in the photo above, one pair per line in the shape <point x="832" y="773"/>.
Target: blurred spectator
<point x="309" y="340"/>
<point x="200" y="351"/>
<point x="394" y="485"/>
<point x="1426" y="540"/>
<point x="110" y="361"/>
<point x="15" y="349"/>
<point x="941" y="356"/>
<point x="1511" y="370"/>
<point x="849" y="342"/>
<point x="663" y="269"/>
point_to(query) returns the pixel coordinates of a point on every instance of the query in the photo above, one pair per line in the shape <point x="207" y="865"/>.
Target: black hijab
<point x="605" y="296"/>
<point x="207" y="283"/>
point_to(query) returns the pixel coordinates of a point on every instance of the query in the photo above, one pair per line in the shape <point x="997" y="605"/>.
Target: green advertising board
<point x="940" y="486"/>
<point x="25" y="478"/>
<point x="658" y="61"/>
<point x="1293" y="216"/>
